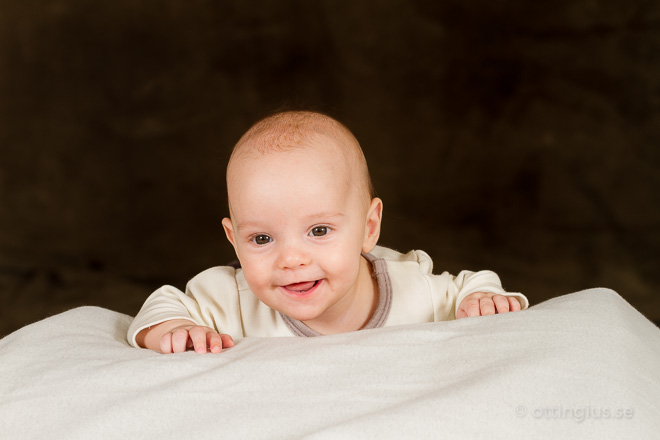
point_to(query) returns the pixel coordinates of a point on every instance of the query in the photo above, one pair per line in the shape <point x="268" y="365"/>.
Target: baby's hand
<point x="197" y="337"/>
<point x="484" y="303"/>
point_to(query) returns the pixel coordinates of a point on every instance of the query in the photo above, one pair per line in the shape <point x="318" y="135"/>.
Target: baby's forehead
<point x="329" y="162"/>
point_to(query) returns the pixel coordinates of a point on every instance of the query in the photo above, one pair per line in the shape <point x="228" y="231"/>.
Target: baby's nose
<point x="293" y="257"/>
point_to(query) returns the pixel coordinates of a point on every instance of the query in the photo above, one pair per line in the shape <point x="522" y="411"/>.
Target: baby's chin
<point x="302" y="314"/>
<point x="290" y="304"/>
<point x="300" y="309"/>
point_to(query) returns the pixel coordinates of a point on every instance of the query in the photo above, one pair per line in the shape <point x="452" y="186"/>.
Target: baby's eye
<point x="262" y="239"/>
<point x="319" y="231"/>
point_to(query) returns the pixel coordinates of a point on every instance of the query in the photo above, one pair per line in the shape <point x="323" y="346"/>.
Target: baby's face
<point x="298" y="226"/>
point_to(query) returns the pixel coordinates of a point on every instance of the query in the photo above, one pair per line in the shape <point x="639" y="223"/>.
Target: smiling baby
<point x="304" y="223"/>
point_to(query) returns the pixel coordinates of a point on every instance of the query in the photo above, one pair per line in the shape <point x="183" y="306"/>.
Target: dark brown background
<point x="501" y="134"/>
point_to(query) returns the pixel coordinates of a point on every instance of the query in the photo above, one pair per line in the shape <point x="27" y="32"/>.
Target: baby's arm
<point x="453" y="295"/>
<point x="486" y="303"/>
<point x="179" y="320"/>
<point x="179" y="335"/>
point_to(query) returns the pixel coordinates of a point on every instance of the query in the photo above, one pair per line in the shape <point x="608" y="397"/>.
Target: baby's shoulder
<point x="395" y="258"/>
<point x="218" y="277"/>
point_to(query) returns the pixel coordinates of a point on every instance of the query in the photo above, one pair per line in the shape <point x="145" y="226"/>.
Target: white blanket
<point x="585" y="365"/>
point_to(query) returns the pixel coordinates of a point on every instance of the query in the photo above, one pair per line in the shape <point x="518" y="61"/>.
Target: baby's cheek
<point x="255" y="278"/>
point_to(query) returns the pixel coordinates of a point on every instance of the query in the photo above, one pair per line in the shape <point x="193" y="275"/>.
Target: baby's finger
<point x="514" y="304"/>
<point x="198" y="339"/>
<point x="214" y="342"/>
<point x="501" y="303"/>
<point x="166" y="343"/>
<point x="227" y="341"/>
<point x="487" y="306"/>
<point x="179" y="340"/>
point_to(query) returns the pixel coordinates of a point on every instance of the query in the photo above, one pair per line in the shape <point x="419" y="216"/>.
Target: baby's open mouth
<point x="301" y="287"/>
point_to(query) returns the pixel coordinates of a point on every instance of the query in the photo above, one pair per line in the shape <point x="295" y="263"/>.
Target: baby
<point x="304" y="224"/>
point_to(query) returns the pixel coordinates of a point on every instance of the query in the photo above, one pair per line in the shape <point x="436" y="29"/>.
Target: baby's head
<point x="306" y="130"/>
<point x="301" y="213"/>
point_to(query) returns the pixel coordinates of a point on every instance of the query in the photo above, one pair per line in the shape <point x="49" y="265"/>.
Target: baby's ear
<point x="229" y="231"/>
<point x="372" y="226"/>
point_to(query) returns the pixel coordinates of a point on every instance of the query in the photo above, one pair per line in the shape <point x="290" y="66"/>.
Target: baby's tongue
<point x="300" y="287"/>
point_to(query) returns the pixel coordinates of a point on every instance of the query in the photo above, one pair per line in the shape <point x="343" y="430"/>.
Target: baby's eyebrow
<point x="324" y="215"/>
<point x="247" y="224"/>
<point x="319" y="216"/>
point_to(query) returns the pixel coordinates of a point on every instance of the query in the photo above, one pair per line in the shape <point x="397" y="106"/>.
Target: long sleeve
<point x="420" y="296"/>
<point x="449" y="291"/>
<point x="211" y="299"/>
